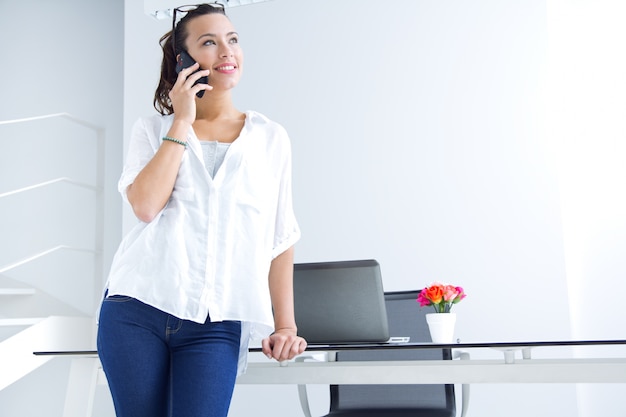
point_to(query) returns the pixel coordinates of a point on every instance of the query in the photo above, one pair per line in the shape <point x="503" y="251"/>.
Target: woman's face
<point x="213" y="42"/>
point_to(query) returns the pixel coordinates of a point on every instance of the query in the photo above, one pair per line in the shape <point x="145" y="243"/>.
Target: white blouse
<point x="208" y="252"/>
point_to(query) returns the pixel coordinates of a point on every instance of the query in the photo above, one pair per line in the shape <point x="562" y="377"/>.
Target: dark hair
<point x="162" y="102"/>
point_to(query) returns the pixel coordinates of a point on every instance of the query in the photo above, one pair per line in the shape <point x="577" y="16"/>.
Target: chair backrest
<point x="406" y="318"/>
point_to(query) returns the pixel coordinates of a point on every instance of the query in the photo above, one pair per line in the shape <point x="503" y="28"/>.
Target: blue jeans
<point x="160" y="366"/>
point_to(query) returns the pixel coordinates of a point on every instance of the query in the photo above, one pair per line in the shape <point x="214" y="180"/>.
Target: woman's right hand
<point x="153" y="186"/>
<point x="183" y="93"/>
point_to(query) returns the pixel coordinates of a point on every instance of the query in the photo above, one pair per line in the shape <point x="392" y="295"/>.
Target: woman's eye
<point x="234" y="40"/>
<point x="209" y="43"/>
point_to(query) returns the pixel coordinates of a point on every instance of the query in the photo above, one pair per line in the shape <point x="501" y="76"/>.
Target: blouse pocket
<point x="257" y="188"/>
<point x="183" y="193"/>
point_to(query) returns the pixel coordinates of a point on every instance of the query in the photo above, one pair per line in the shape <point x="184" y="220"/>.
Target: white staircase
<point x="51" y="238"/>
<point x="50" y="334"/>
<point x="10" y="326"/>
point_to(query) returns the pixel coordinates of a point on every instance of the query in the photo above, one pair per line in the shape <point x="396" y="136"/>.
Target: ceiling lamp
<point x="162" y="9"/>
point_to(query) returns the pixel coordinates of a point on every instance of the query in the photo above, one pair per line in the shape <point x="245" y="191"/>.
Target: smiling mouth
<point x="226" y="68"/>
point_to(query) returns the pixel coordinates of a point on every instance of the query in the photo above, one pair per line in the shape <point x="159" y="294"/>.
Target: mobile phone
<point x="185" y="60"/>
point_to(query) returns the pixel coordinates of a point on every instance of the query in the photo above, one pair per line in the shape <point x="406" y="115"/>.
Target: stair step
<point x="27" y="321"/>
<point x="17" y="291"/>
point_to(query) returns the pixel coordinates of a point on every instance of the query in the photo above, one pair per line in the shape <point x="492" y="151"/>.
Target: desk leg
<point x="509" y="356"/>
<point x="302" y="393"/>
<point x="81" y="387"/>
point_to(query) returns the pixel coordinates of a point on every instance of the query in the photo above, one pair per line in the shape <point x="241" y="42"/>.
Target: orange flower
<point x="434" y="293"/>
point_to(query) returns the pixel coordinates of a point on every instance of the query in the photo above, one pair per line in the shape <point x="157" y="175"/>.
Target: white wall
<point x="65" y="56"/>
<point x="57" y="56"/>
<point x="418" y="141"/>
<point x="587" y="132"/>
<point x="423" y="136"/>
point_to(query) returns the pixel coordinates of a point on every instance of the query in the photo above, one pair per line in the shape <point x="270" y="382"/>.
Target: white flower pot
<point x="441" y="326"/>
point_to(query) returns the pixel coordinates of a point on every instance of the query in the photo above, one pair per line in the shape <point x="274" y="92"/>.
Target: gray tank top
<point x="214" y="153"/>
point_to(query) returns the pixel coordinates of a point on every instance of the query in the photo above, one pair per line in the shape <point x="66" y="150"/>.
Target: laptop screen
<point x="340" y="302"/>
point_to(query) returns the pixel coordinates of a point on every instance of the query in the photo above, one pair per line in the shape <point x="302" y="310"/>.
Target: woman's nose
<point x="226" y="52"/>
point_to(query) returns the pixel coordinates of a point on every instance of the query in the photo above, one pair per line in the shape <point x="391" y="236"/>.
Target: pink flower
<point x="422" y="299"/>
<point x="460" y="295"/>
<point x="450" y="292"/>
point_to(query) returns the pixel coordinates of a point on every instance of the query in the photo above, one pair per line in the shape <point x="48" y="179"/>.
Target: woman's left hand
<point x="283" y="344"/>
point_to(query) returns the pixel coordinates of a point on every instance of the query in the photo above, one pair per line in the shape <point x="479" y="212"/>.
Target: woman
<point x="213" y="252"/>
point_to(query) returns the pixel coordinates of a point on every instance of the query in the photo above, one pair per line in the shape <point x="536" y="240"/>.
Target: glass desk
<point x="506" y="370"/>
<point x="86" y="373"/>
<point x="467" y="371"/>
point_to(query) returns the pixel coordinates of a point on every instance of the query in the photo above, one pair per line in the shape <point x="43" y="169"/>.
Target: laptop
<point x="340" y="302"/>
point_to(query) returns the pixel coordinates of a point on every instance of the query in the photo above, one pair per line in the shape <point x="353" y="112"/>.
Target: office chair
<point x="405" y="318"/>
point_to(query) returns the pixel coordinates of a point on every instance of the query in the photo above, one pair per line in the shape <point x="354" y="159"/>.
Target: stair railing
<point x="98" y="190"/>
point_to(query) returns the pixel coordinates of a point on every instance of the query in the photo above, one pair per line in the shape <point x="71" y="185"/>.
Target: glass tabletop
<point x="410" y="345"/>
